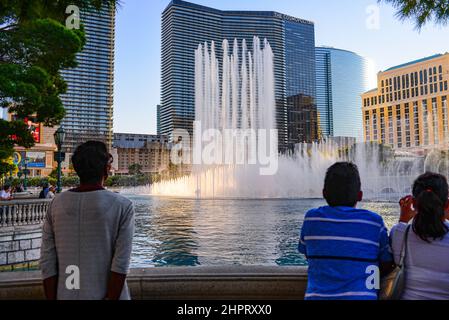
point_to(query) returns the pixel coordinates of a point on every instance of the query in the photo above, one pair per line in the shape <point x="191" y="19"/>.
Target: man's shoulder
<point x="370" y="215"/>
<point x="345" y="213"/>
<point x="318" y="211"/>
<point x="118" y="198"/>
<point x="110" y="197"/>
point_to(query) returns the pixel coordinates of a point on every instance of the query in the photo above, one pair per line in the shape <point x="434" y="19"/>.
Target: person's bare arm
<point x="115" y="285"/>
<point x="51" y="287"/>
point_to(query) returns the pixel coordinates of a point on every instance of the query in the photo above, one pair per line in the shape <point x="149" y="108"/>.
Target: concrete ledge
<point x="196" y="283"/>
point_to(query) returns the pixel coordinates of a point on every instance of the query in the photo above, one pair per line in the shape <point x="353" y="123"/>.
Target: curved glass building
<point x="341" y="78"/>
<point x="185" y="25"/>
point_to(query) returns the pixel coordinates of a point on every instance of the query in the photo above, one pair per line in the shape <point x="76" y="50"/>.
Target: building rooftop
<point x="136" y="141"/>
<point x="234" y="12"/>
<point x="336" y="49"/>
<point x="372" y="90"/>
<point x="414" y="62"/>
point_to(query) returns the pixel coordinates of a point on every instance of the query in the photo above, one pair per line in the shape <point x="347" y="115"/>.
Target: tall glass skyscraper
<point x="300" y="83"/>
<point x="89" y="97"/>
<point x="341" y="78"/>
<point x="185" y="25"/>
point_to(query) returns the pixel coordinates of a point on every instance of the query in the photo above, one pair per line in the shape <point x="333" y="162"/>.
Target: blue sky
<point x="338" y="23"/>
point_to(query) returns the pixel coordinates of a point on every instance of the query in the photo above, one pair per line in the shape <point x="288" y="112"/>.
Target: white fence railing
<point x="23" y="212"/>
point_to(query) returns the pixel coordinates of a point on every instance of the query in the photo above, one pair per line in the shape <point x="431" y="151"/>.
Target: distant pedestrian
<point x="19" y="188"/>
<point x="87" y="235"/>
<point x="6" y="193"/>
<point x="51" y="192"/>
<point x="44" y="191"/>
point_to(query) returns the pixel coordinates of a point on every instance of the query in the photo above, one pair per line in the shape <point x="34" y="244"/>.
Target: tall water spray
<point x="238" y="96"/>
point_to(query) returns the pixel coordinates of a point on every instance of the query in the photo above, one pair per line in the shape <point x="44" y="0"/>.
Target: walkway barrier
<point x="22" y="212"/>
<point x="194" y="283"/>
<point x="20" y="233"/>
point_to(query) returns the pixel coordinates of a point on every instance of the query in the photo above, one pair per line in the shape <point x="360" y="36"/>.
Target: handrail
<point x="185" y="283"/>
<point x="23" y="212"/>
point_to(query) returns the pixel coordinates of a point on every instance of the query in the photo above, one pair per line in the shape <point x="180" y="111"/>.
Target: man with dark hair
<point x="87" y="235"/>
<point x="345" y="247"/>
<point x="44" y="191"/>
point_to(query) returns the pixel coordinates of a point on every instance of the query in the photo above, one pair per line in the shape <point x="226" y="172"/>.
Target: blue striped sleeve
<point x="302" y="243"/>
<point x="385" y="253"/>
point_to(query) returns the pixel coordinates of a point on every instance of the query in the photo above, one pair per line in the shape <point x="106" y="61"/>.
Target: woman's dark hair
<point x="342" y="185"/>
<point x="90" y="161"/>
<point x="431" y="193"/>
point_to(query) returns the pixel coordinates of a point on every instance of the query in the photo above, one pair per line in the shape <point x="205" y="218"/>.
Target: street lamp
<point x="25" y="173"/>
<point x="59" y="136"/>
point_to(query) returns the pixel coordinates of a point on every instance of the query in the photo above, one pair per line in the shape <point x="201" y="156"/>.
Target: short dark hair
<point x="342" y="185"/>
<point x="6" y="187"/>
<point x="90" y="160"/>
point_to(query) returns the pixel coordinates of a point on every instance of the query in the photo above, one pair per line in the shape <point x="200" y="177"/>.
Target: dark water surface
<point x="190" y="232"/>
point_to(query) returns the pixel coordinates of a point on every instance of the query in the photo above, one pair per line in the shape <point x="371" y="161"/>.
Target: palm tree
<point x="422" y="11"/>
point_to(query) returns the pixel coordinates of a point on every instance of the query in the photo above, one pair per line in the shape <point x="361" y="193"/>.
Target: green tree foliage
<point x="34" y="46"/>
<point x="135" y="169"/>
<point x="422" y="11"/>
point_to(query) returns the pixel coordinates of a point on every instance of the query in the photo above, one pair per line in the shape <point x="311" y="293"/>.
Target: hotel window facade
<point x="90" y="86"/>
<point x="151" y="152"/>
<point x="413" y="97"/>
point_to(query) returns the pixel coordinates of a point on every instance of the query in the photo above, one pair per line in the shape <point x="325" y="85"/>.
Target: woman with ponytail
<point x="427" y="254"/>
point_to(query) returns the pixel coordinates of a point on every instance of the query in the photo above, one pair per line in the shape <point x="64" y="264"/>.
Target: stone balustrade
<point x="185" y="283"/>
<point x="20" y="233"/>
<point x="22" y="212"/>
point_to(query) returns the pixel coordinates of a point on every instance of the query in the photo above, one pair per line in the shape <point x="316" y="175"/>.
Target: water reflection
<point x="165" y="233"/>
<point x="189" y="232"/>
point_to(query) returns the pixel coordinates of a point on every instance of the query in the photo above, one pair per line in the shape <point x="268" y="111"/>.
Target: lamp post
<point x="59" y="136"/>
<point x="25" y="173"/>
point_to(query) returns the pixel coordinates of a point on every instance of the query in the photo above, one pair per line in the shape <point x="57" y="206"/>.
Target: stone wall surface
<point x="20" y="233"/>
<point x="190" y="283"/>
<point x="20" y="248"/>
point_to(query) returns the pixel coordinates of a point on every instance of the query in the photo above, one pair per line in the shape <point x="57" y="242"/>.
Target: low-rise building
<point x="39" y="158"/>
<point x="151" y="152"/>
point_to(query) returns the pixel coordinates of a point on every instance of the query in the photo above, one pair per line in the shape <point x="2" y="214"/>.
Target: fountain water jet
<point x="241" y="96"/>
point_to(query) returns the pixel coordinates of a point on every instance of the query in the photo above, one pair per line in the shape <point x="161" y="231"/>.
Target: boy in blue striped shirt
<point x="347" y="248"/>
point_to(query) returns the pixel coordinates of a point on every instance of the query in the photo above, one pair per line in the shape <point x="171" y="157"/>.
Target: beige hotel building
<point x="409" y="108"/>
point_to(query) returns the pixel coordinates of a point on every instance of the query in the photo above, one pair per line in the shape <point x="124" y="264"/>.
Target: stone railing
<point x="195" y="283"/>
<point x="22" y="212"/>
<point x="20" y="233"/>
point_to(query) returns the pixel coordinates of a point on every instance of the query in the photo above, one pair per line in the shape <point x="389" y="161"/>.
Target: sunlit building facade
<point x="89" y="97"/>
<point x="409" y="109"/>
<point x="185" y="25"/>
<point x="151" y="152"/>
<point x="341" y="77"/>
